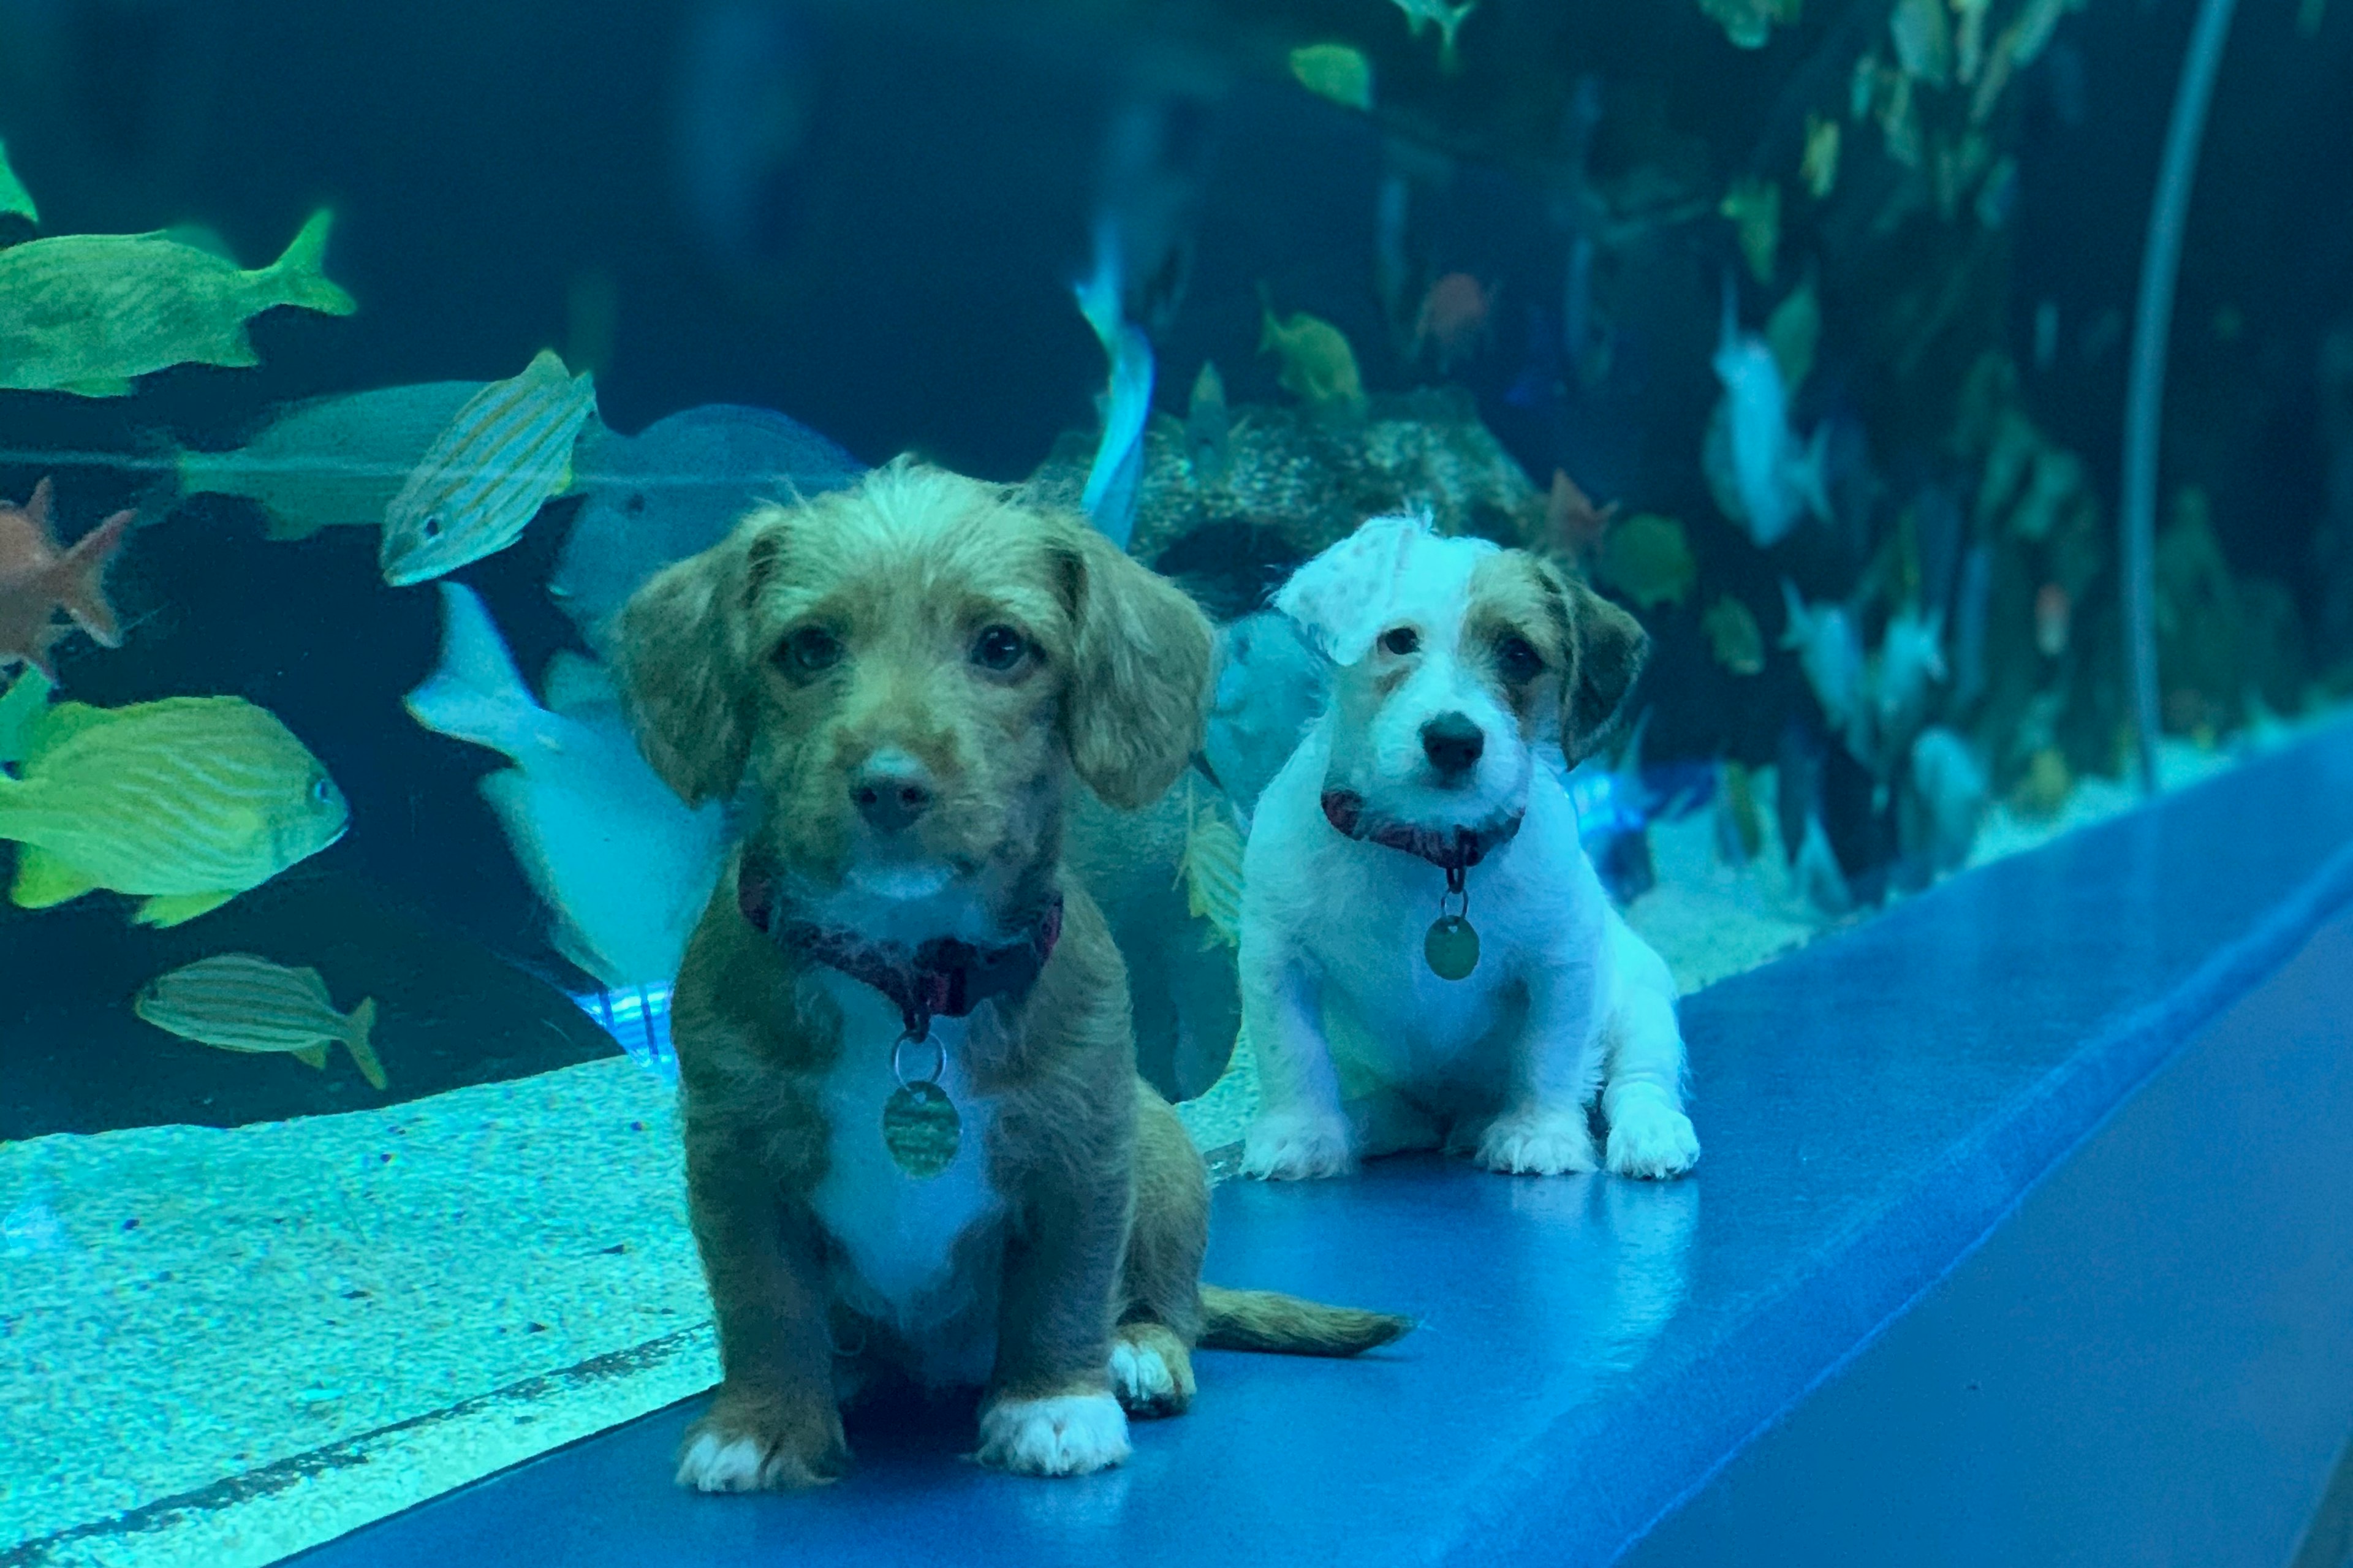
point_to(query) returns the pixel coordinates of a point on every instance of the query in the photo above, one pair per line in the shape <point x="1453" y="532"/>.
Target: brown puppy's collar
<point x="1452" y="851"/>
<point x="946" y="977"/>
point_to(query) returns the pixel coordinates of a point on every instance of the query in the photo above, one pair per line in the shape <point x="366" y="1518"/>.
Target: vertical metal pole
<point x="2161" y="264"/>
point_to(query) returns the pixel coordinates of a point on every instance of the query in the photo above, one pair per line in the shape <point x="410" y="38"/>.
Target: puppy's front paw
<point x="1292" y="1145"/>
<point x="1537" y="1143"/>
<point x="1150" y="1372"/>
<point x="1063" y="1434"/>
<point x="748" y="1442"/>
<point x="1648" y="1137"/>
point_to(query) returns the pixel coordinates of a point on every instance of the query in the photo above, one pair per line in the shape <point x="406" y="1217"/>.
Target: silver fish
<point x="675" y="489"/>
<point x="482" y="481"/>
<point x="241" y="1003"/>
<point x="624" y="865"/>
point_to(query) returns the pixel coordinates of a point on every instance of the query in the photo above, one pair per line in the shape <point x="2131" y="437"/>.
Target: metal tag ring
<point x="939" y="1059"/>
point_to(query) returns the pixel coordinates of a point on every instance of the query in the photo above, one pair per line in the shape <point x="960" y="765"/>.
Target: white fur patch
<point x="715" y="1464"/>
<point x="1388" y="567"/>
<point x="1139" y="1377"/>
<point x="902" y="884"/>
<point x="1066" y="1435"/>
<point x="898" y="1234"/>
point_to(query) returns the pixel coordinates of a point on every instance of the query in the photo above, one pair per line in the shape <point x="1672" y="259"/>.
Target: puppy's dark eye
<point x="1518" y="659"/>
<point x="810" y="649"/>
<point x="999" y="648"/>
<point x="1400" y="640"/>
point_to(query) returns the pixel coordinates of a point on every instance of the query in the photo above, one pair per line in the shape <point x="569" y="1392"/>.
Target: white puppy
<point x="1418" y="794"/>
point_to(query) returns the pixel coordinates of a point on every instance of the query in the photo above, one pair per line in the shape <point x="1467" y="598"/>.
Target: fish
<point x="1318" y="367"/>
<point x="184" y="803"/>
<point x="37" y="579"/>
<point x="1208" y="427"/>
<point x="1910" y="658"/>
<point x="620" y="861"/>
<point x="1337" y="72"/>
<point x="1116" y="478"/>
<point x="2059" y="476"/>
<point x="1646" y="558"/>
<point x="87" y="313"/>
<point x="1270" y="686"/>
<point x="1572" y="523"/>
<point x="1210" y="868"/>
<point x="1968" y="38"/>
<point x="1757" y="472"/>
<point x="1793" y="331"/>
<point x="2053" y="612"/>
<point x="1949" y="797"/>
<point x="1923" y="37"/>
<point x="674" y="489"/>
<point x="238" y="1002"/>
<point x="1420" y="13"/>
<point x="1733" y="637"/>
<point x="15" y="201"/>
<point x="1453" y="320"/>
<point x="1614" y="809"/>
<point x="2046" y="786"/>
<point x="1739" y="825"/>
<point x="500" y="458"/>
<point x="1754" y="208"/>
<point x="1829" y="651"/>
<point x="329" y="462"/>
<point x="22" y="708"/>
<point x="1818" y="165"/>
<point x="1820" y="879"/>
<point x="1749" y="23"/>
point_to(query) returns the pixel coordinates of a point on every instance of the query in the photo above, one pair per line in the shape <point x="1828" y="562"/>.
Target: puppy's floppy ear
<point x="678" y="648"/>
<point x="1336" y="599"/>
<point x="1607" y="648"/>
<point x="1139" y="684"/>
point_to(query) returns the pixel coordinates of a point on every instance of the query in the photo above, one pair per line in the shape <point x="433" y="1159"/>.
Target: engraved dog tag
<point x="1451" y="947"/>
<point x="921" y="1127"/>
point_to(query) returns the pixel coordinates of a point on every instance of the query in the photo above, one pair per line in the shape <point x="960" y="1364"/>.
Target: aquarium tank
<point x="1960" y="392"/>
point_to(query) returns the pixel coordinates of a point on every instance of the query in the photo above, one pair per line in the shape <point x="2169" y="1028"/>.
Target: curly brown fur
<point x="819" y="643"/>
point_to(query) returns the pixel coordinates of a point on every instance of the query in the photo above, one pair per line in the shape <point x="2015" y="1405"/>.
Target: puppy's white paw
<point x="1648" y="1137"/>
<point x="1537" y="1143"/>
<point x="1291" y="1145"/>
<point x="715" y="1464"/>
<point x="1065" y="1435"/>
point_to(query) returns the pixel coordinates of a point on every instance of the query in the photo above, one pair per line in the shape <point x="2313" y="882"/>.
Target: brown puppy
<point x="915" y="1139"/>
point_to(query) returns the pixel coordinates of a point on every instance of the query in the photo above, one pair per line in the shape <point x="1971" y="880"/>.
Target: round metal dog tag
<point x="1451" y="947"/>
<point x="922" y="1130"/>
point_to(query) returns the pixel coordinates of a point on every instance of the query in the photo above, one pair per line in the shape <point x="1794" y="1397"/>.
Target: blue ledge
<point x="1598" y="1356"/>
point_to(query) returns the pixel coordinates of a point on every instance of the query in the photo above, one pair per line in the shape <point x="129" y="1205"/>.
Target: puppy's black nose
<point x="891" y="791"/>
<point x="1452" y="742"/>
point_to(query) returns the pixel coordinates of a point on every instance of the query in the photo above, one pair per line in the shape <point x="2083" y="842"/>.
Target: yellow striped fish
<point x="241" y="1003"/>
<point x="1211" y="869"/>
<point x="188" y="803"/>
<point x="488" y="473"/>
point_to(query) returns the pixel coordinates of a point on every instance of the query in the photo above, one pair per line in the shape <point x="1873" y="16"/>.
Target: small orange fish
<point x="36" y="579"/>
<point x="2052" y="614"/>
<point x="1454" y="319"/>
<point x="1573" y="524"/>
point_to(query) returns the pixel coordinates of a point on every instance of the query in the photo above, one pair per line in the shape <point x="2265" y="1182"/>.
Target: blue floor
<point x="1599" y="1355"/>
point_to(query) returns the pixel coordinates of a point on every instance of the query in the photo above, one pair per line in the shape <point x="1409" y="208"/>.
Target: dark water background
<point x="900" y="281"/>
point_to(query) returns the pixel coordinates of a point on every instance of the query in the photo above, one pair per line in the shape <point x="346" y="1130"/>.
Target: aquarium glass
<point x="359" y="362"/>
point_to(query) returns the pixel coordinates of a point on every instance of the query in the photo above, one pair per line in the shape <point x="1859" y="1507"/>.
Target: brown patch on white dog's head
<point x="1595" y="650"/>
<point x="904" y="670"/>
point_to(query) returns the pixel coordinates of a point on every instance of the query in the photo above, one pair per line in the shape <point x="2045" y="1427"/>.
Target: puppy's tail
<point x="1285" y="1325"/>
